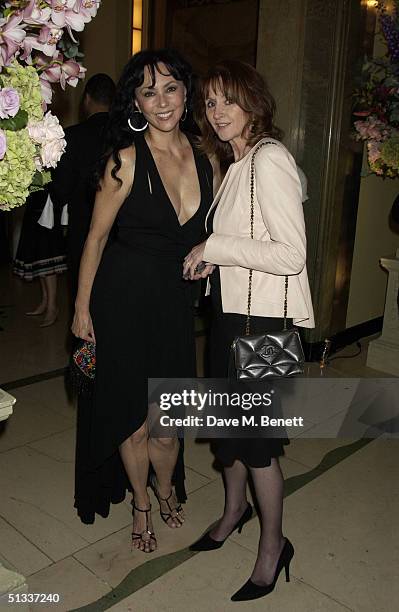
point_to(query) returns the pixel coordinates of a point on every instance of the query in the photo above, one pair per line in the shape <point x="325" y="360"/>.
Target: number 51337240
<point x="33" y="598"/>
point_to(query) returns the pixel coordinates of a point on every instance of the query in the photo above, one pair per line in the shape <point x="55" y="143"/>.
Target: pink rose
<point x="36" y="132"/>
<point x="9" y="102"/>
<point x="52" y="151"/>
<point x="49" y="134"/>
<point x="3" y="144"/>
<point x="46" y="130"/>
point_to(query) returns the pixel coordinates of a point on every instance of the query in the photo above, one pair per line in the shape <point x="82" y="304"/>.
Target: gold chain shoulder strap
<point x="252" y="189"/>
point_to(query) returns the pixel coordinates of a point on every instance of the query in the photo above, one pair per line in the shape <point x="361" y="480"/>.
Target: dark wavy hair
<point x="240" y="83"/>
<point x="119" y="135"/>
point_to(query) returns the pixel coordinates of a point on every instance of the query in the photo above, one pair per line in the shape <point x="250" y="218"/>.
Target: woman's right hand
<point x="82" y="325"/>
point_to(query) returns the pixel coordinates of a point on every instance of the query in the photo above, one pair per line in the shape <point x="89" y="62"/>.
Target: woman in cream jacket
<point x="236" y="115"/>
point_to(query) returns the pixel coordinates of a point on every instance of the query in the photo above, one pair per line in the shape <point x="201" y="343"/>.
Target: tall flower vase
<point x="383" y="353"/>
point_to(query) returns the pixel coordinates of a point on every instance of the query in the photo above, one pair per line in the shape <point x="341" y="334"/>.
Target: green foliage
<point x="390" y="153"/>
<point x="70" y="49"/>
<point x="15" y="123"/>
<point x="39" y="180"/>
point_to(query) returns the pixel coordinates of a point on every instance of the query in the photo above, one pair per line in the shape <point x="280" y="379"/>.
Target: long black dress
<point x="142" y="312"/>
<point x="253" y="452"/>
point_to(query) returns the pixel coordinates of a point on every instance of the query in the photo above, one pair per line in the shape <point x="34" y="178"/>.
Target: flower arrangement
<point x="377" y="99"/>
<point x="38" y="48"/>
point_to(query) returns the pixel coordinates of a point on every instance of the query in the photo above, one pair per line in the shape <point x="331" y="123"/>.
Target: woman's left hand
<point x="192" y="260"/>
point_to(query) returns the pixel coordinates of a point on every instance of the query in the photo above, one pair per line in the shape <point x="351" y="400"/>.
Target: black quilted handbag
<point x="267" y="355"/>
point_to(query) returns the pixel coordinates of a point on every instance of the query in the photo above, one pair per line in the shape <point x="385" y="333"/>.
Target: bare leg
<point x="42" y="307"/>
<point x="134" y="454"/>
<point x="163" y="456"/>
<point x="235" y="482"/>
<point x="268" y="483"/>
<point x="50" y="283"/>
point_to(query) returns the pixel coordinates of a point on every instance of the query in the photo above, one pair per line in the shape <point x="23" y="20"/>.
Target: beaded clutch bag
<point x="82" y="368"/>
<point x="85" y="359"/>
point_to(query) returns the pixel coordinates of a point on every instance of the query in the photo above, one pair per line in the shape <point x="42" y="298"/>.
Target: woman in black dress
<point x="41" y="254"/>
<point x="132" y="300"/>
<point x="236" y="117"/>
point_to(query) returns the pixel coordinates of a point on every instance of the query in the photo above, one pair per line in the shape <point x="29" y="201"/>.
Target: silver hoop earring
<point x="129" y="122"/>
<point x="184" y="115"/>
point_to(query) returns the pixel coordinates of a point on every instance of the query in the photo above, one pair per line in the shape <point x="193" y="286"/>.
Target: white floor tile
<point x="75" y="585"/>
<point x="207" y="581"/>
<point x="19" y="553"/>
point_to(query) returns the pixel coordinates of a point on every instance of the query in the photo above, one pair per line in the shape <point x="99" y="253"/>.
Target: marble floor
<point x="341" y="503"/>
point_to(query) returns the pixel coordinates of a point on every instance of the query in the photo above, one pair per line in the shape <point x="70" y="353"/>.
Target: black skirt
<point x="253" y="452"/>
<point x="41" y="251"/>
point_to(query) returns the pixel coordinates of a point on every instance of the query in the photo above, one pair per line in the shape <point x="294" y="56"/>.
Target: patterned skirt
<point x="41" y="251"/>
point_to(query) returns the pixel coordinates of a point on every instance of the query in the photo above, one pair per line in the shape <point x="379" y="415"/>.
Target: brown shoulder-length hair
<point x="240" y="83"/>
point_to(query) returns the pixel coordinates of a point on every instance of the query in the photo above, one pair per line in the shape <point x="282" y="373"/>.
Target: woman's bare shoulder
<point x="128" y="154"/>
<point x="125" y="173"/>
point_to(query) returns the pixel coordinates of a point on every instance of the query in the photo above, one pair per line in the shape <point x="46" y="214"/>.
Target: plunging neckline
<point x="164" y="188"/>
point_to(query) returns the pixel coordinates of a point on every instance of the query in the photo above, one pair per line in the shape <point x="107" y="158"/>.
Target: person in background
<point x="73" y="183"/>
<point x="41" y="255"/>
<point x="395" y="211"/>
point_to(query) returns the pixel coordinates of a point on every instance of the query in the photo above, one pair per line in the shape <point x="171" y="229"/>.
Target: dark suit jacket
<point x="395" y="211"/>
<point x="72" y="184"/>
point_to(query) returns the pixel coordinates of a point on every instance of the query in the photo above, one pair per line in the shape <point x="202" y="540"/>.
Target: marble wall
<point x="207" y="32"/>
<point x="311" y="51"/>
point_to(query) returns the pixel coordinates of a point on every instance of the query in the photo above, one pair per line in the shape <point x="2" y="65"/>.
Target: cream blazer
<point x="279" y="244"/>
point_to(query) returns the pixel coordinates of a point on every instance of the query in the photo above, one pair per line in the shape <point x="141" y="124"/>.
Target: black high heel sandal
<point x="250" y="590"/>
<point x="139" y="536"/>
<point x="166" y="516"/>
<point x="208" y="543"/>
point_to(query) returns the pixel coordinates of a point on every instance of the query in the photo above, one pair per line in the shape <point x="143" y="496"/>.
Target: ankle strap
<point x="165" y="499"/>
<point x="140" y="510"/>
